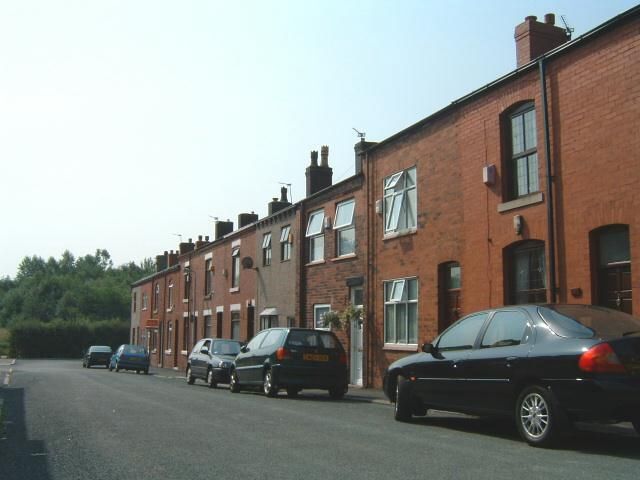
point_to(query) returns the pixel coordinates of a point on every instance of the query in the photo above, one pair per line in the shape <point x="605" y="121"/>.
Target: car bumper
<point x="614" y="398"/>
<point x="306" y="377"/>
<point x="222" y="375"/>
<point x="128" y="365"/>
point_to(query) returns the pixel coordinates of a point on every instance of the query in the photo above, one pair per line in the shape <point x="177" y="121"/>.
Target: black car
<point x="211" y="360"/>
<point x="545" y="365"/>
<point x="97" y="355"/>
<point x="293" y="359"/>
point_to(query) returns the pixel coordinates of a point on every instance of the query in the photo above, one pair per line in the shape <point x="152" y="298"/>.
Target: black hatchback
<point x="544" y="365"/>
<point x="292" y="359"/>
<point x="211" y="360"/>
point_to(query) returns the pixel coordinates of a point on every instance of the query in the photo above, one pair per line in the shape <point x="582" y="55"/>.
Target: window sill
<point x="184" y="353"/>
<point x="341" y="258"/>
<point x="316" y="262"/>
<point x="525" y="201"/>
<point x="208" y="296"/>
<point x="401" y="347"/>
<point x="404" y="233"/>
<point x="185" y="300"/>
<point x="167" y="352"/>
<point x="234" y="289"/>
<point x="169" y="310"/>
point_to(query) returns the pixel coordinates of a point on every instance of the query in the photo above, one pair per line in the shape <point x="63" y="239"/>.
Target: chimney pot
<point x="283" y="195"/>
<point x="550" y="19"/>
<point x="530" y="18"/>
<point x="199" y="238"/>
<point x="324" y="156"/>
<point x="314" y="158"/>
<point x="206" y="239"/>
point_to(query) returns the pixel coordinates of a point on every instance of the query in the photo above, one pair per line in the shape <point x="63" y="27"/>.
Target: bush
<point x="64" y="338"/>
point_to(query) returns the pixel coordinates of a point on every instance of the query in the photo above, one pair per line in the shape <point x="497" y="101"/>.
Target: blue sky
<point x="123" y="123"/>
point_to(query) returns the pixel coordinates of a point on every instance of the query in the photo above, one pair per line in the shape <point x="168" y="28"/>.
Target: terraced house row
<point x="525" y="190"/>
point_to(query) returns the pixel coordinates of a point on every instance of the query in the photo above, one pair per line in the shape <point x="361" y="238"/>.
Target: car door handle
<point x="509" y="360"/>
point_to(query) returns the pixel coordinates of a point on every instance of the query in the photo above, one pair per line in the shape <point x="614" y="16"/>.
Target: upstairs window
<point x="145" y="301"/>
<point x="345" y="228"/>
<point x="523" y="162"/>
<point x="235" y="268"/>
<point x="170" y="296"/>
<point x="400" y="201"/>
<point x="315" y="236"/>
<point x="156" y="297"/>
<point x="135" y="301"/>
<point x="266" y="249"/>
<point x="208" y="276"/>
<point x="285" y="243"/>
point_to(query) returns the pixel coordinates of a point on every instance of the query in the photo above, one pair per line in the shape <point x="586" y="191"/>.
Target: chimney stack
<point x="200" y="242"/>
<point x="222" y="228"/>
<point x="276" y="205"/>
<point x="360" y="148"/>
<point x="320" y="176"/>
<point x="172" y="259"/>
<point x="535" y="38"/>
<point x="186" y="247"/>
<point x="161" y="262"/>
<point x="245" y="219"/>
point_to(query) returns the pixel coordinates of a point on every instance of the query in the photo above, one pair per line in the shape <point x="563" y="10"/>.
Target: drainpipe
<point x="550" y="216"/>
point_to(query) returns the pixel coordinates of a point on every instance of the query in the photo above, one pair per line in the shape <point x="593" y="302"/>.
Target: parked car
<point x="292" y="359"/>
<point x="97" y="355"/>
<point x="544" y="365"/>
<point x="130" y="357"/>
<point x="211" y="360"/>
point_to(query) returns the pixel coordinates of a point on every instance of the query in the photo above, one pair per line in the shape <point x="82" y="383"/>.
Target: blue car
<point x="130" y="357"/>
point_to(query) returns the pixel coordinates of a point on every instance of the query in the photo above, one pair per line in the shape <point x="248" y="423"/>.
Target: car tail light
<point x="343" y="359"/>
<point x="601" y="359"/>
<point x="282" y="354"/>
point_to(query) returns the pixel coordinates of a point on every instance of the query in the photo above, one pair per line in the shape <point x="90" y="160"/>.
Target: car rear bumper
<point x="309" y="377"/>
<point x="129" y="365"/>
<point x="614" y="398"/>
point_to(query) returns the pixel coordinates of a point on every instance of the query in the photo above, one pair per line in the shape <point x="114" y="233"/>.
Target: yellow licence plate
<point x="315" y="357"/>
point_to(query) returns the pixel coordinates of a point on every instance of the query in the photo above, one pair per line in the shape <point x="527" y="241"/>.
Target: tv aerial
<point x="567" y="28"/>
<point x="361" y="135"/>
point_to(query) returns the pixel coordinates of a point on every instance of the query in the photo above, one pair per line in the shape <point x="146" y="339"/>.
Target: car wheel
<point x="117" y="367"/>
<point x="88" y="365"/>
<point x="137" y="372"/>
<point x="234" y="385"/>
<point x="190" y="378"/>
<point x="146" y="371"/>
<point x="402" y="409"/>
<point x="337" y="393"/>
<point x="538" y="418"/>
<point x="268" y="385"/>
<point x="292" y="392"/>
<point x="110" y="368"/>
<point x="211" y="380"/>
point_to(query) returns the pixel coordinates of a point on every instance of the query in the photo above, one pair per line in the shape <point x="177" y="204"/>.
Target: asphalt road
<point x="64" y="422"/>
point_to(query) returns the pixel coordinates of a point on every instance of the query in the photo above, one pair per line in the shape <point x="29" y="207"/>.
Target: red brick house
<point x="523" y="191"/>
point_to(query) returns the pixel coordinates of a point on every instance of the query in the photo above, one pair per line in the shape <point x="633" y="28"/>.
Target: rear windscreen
<point x="588" y="321"/>
<point x="100" y="349"/>
<point x="315" y="339"/>
<point x="134" y="349"/>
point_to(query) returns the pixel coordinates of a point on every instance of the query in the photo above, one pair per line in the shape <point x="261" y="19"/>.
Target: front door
<point x="357" y="340"/>
<point x="450" y="293"/>
<point x="614" y="268"/>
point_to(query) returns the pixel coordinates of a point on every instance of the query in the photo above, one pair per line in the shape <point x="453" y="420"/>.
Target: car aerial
<point x="97" y="355"/>
<point x="130" y="357"/>
<point x="292" y="359"/>
<point x="544" y="365"/>
<point x="211" y="360"/>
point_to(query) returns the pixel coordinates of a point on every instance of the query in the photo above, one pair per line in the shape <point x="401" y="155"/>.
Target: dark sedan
<point x="211" y="360"/>
<point x="97" y="355"/>
<point x="545" y="365"/>
<point x="293" y="359"/>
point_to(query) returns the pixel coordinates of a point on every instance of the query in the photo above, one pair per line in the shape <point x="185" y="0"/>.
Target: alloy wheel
<point x="534" y="415"/>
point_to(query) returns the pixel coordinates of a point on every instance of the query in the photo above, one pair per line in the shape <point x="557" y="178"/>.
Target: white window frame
<point x="266" y="249"/>
<point x="285" y="244"/>
<point x="399" y="192"/>
<point x="345" y="226"/>
<point x="235" y="268"/>
<point x="321" y="306"/>
<point x="315" y="236"/>
<point x="398" y="295"/>
<point x="170" y="295"/>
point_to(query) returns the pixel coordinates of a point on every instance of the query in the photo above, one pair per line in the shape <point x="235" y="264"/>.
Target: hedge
<point x="64" y="339"/>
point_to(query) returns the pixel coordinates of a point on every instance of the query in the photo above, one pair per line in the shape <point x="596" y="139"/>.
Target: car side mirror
<point x="244" y="349"/>
<point x="428" y="348"/>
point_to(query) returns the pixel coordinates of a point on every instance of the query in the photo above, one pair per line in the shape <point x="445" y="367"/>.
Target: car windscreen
<point x="100" y="349"/>
<point x="225" y="348"/>
<point x="315" y="339"/>
<point x="588" y="321"/>
<point x="134" y="350"/>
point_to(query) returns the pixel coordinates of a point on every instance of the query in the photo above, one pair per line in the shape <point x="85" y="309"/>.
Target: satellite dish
<point x="247" y="262"/>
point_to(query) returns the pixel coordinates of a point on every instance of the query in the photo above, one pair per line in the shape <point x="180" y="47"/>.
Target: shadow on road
<point x="20" y="458"/>
<point x="611" y="440"/>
